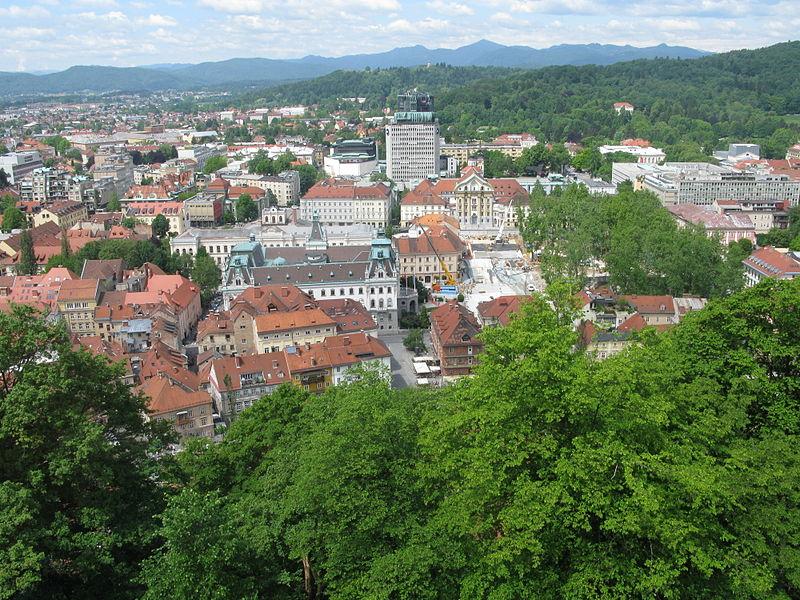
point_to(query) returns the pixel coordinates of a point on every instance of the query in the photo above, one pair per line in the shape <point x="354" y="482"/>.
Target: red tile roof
<point x="453" y="324"/>
<point x="501" y="308"/>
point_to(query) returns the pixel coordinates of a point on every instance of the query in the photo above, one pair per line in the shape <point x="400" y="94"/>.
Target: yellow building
<point x="275" y="331"/>
<point x="76" y="301"/>
<point x="63" y="214"/>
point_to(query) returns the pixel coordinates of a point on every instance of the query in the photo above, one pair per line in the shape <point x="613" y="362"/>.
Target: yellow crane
<point x="449" y="279"/>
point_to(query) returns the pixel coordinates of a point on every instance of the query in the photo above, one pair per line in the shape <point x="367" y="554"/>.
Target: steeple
<point x="317" y="240"/>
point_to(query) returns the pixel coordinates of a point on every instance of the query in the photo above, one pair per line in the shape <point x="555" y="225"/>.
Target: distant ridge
<point x="264" y="70"/>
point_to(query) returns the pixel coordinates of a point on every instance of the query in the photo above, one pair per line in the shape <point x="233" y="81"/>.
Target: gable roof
<point x="501" y="308"/>
<point x="454" y="324"/>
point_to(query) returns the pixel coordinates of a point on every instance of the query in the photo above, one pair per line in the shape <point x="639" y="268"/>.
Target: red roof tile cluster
<point x="453" y="324"/>
<point x="439" y="240"/>
<point x="345" y="188"/>
<point x="771" y="263"/>
<point x="501" y="308"/>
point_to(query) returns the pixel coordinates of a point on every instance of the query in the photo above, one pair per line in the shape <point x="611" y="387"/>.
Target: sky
<point x="55" y="34"/>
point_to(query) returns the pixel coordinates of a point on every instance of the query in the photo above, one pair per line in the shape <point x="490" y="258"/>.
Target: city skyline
<point x="52" y="35"/>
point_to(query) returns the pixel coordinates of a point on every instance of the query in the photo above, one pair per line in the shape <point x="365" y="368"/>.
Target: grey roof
<point x="350" y="272"/>
<point x="335" y="254"/>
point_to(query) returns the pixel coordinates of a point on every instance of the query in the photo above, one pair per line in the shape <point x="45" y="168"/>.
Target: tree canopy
<point x="669" y="470"/>
<point x="79" y="482"/>
<point x="633" y="237"/>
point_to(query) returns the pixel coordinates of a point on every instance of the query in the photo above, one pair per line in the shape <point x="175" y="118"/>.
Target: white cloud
<point x="502" y="17"/>
<point x="558" y="7"/>
<point x="113" y="17"/>
<point x="450" y="8"/>
<point x="141" y="5"/>
<point x="26" y="12"/>
<point x="22" y="33"/>
<point x="157" y="21"/>
<point x="235" y="6"/>
<point x="256" y="23"/>
<point x="674" y="24"/>
<point x="427" y="24"/>
<point x="96" y="3"/>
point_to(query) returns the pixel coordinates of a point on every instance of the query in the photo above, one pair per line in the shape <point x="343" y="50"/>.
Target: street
<point x="402" y="368"/>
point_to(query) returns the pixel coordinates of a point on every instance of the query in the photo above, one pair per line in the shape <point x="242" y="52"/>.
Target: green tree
<point x="498" y="164"/>
<point x="13" y="218"/>
<point x="3" y="178"/>
<point x="588" y="160"/>
<point x="246" y="209"/>
<point x="414" y="341"/>
<point x="129" y="222"/>
<point x="202" y="536"/>
<point x="214" y="164"/>
<point x="228" y="217"/>
<point x="206" y="274"/>
<point x="308" y="176"/>
<point x="160" y="226"/>
<point x="79" y="481"/>
<point x="114" y="204"/>
<point x="27" y="257"/>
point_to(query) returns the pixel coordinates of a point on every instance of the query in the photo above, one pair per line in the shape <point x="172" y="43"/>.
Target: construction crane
<point x="499" y="238"/>
<point x="448" y="275"/>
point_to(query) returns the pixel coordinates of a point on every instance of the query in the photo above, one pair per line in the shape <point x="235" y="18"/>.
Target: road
<point x="402" y="368"/>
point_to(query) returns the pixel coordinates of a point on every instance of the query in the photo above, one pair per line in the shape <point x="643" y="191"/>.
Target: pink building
<point x="730" y="227"/>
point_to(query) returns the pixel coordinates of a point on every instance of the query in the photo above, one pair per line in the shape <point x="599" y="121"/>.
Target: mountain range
<point x="265" y="71"/>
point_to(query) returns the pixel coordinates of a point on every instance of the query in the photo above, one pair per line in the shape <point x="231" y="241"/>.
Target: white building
<point x="219" y="242"/>
<point x="352" y="158"/>
<point x="412" y="147"/>
<point x="200" y="153"/>
<point x="768" y="262"/>
<point x="19" y="164"/>
<point x="647" y="155"/>
<point x="346" y="202"/>
<point x="422" y="200"/>
<point x="285" y="186"/>
<point x="704" y="183"/>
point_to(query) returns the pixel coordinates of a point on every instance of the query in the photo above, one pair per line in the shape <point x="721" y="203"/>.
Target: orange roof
<point x="501" y="308"/>
<point x="78" y="289"/>
<point x="423" y="195"/>
<point x="439" y="240"/>
<point x="254" y="192"/>
<point x="166" y="396"/>
<point x="635" y="322"/>
<point x="279" y="321"/>
<point x="265" y="298"/>
<point x="271" y="365"/>
<point x="651" y="305"/>
<point x="345" y="188"/>
<point x="454" y="324"/>
<point x="772" y="263"/>
<point x="160" y="359"/>
<point x="349" y="315"/>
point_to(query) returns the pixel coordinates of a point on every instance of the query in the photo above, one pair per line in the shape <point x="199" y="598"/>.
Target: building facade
<point x="413" y="140"/>
<point x="346" y="202"/>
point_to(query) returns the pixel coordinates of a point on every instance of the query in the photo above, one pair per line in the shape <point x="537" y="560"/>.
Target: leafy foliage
<point x="633" y="237"/>
<point x="78" y="479"/>
<point x="246" y="209"/>
<point x="669" y="470"/>
<point x="206" y="274"/>
<point x="214" y="164"/>
<point x="160" y="226"/>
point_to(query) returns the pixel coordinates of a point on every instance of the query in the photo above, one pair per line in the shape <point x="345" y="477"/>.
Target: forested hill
<point x="736" y="94"/>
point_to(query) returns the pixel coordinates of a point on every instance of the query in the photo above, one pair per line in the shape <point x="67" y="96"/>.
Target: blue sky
<point x="54" y="34"/>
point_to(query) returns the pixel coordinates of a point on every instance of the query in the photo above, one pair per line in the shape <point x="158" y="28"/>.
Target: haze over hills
<point x="264" y="70"/>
